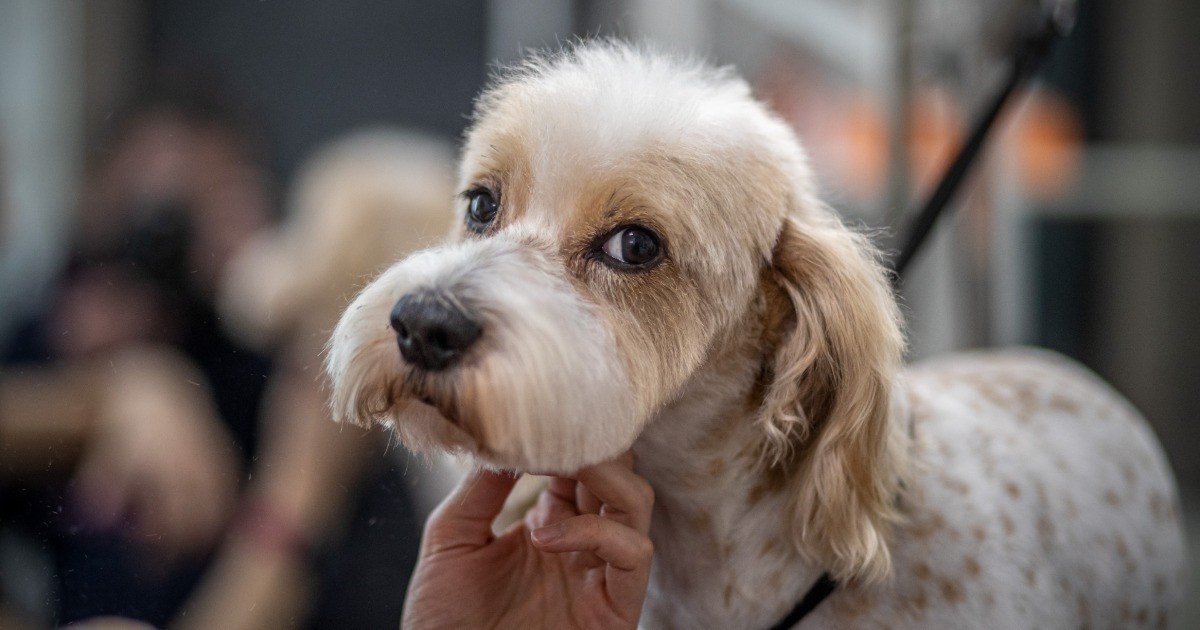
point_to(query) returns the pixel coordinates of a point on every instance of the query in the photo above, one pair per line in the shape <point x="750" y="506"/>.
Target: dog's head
<point x="624" y="217"/>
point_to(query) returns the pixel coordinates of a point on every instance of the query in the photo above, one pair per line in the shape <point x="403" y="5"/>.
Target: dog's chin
<point x="423" y="427"/>
<point x="520" y="463"/>
<point x="517" y="463"/>
<point x="429" y="426"/>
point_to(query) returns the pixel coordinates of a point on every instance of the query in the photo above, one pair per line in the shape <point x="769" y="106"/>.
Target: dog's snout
<point x="432" y="332"/>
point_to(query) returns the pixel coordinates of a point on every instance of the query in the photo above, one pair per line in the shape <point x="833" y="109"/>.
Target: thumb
<point x="465" y="516"/>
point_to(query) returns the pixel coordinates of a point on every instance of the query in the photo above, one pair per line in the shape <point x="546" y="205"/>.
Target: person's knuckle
<point x="644" y="548"/>
<point x="591" y="525"/>
<point x="645" y="492"/>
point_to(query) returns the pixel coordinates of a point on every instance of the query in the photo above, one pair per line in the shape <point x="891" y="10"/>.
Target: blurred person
<point x="356" y="205"/>
<point x="176" y="192"/>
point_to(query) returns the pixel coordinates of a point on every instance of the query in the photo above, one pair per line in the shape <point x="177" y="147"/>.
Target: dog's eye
<point x="632" y="246"/>
<point x="481" y="209"/>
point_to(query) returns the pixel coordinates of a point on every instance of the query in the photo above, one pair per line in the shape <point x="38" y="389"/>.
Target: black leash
<point x="1055" y="19"/>
<point x="823" y="588"/>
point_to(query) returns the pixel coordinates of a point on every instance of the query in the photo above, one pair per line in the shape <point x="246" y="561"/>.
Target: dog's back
<point x="1039" y="496"/>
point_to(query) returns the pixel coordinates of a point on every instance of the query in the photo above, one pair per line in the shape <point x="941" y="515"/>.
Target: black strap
<point x="823" y="588"/>
<point x="1030" y="51"/>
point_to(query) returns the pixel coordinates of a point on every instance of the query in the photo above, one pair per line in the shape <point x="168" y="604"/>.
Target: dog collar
<point x="823" y="588"/>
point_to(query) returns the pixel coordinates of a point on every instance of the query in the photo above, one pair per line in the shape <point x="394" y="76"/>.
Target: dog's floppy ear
<point x="828" y="391"/>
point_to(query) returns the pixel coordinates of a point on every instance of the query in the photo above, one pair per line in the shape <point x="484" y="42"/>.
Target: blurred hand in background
<point x="158" y="457"/>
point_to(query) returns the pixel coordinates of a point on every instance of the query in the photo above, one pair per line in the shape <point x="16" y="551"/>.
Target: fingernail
<point x="548" y="534"/>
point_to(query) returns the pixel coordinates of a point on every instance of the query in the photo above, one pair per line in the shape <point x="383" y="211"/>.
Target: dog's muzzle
<point x="432" y="331"/>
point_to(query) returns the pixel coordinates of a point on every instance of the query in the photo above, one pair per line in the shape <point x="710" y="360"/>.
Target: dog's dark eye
<point x="481" y="209"/>
<point x="632" y="246"/>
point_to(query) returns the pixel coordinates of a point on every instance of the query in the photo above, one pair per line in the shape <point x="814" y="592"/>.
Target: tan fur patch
<point x="1007" y="523"/>
<point x="972" y="566"/>
<point x="921" y="571"/>
<point x="853" y="604"/>
<point x="1161" y="508"/>
<point x="1063" y="405"/>
<point x="1129" y="473"/>
<point x="775" y="580"/>
<point x="756" y="495"/>
<point x="957" y="485"/>
<point x="1045" y="527"/>
<point x="716" y="467"/>
<point x="929" y="526"/>
<point x="952" y="591"/>
<point x="824" y="386"/>
<point x="770" y="548"/>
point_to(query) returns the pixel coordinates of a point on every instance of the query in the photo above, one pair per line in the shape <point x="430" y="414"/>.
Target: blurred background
<point x="167" y="170"/>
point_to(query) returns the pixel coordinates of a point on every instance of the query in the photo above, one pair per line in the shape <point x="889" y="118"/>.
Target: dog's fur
<point x="756" y="373"/>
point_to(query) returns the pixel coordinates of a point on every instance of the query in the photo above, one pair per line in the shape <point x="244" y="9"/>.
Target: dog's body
<point x="642" y="262"/>
<point x="1037" y="497"/>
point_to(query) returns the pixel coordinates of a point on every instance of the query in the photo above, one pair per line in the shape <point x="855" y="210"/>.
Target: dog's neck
<point x="724" y="555"/>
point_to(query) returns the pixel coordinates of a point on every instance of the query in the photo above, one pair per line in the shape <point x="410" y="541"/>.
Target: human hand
<point x="579" y="559"/>
<point x="158" y="455"/>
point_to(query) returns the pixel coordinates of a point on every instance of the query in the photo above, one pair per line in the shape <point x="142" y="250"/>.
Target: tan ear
<point x="828" y="393"/>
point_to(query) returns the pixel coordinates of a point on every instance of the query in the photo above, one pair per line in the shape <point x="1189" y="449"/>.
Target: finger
<point x="586" y="502"/>
<point x="627" y="552"/>
<point x="618" y="545"/>
<point x="466" y="515"/>
<point x="563" y="488"/>
<point x="627" y="497"/>
<point x="550" y="508"/>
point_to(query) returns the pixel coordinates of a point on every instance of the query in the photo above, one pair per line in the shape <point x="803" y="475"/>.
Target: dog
<point x="641" y="261"/>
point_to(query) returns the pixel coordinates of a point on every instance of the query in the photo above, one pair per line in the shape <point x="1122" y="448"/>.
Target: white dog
<point x="641" y="261"/>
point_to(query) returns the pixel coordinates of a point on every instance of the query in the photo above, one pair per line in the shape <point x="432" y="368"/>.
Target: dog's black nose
<point x="432" y="332"/>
